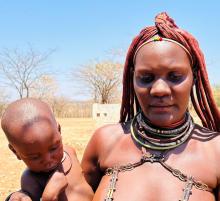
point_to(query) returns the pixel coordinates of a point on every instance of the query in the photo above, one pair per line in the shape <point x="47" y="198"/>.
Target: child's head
<point x="33" y="134"/>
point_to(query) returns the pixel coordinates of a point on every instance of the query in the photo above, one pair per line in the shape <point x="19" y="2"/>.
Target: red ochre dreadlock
<point x="201" y="94"/>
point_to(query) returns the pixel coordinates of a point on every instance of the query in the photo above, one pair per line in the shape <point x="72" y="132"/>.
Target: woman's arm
<point x="90" y="161"/>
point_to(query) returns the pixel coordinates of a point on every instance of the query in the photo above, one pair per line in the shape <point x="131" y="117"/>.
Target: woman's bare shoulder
<point x="104" y="139"/>
<point x="70" y="150"/>
<point x="206" y="135"/>
<point x="110" y="134"/>
<point x="209" y="139"/>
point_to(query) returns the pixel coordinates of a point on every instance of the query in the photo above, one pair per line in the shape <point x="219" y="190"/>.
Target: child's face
<point x="42" y="148"/>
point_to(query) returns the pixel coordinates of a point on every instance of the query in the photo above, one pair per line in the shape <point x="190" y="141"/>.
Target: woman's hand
<point x="56" y="184"/>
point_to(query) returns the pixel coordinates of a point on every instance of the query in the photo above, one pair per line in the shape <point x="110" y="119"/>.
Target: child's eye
<point x="54" y="148"/>
<point x="34" y="158"/>
<point x="175" y="77"/>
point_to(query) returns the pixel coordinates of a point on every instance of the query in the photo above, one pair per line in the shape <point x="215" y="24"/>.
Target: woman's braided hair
<point x="201" y="94"/>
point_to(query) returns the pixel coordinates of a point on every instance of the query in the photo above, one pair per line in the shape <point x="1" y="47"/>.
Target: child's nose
<point x="46" y="158"/>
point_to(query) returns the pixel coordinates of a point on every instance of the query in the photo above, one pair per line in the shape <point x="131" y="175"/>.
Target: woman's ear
<point x="194" y="80"/>
<point x="194" y="76"/>
<point x="14" y="151"/>
<point x="59" y="127"/>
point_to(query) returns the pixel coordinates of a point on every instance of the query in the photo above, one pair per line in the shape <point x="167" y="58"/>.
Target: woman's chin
<point x="164" y="120"/>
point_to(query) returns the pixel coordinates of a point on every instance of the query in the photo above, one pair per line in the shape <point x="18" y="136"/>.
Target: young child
<point x="53" y="171"/>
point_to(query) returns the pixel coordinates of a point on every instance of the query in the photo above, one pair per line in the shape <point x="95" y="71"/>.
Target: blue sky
<point x="82" y="31"/>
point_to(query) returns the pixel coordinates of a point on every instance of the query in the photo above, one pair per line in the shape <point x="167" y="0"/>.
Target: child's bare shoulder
<point x="32" y="183"/>
<point x="28" y="177"/>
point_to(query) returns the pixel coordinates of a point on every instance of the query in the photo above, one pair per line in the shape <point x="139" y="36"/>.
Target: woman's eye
<point x="146" y="79"/>
<point x="175" y="77"/>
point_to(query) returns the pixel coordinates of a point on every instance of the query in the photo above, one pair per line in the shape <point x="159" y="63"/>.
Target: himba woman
<point x="157" y="152"/>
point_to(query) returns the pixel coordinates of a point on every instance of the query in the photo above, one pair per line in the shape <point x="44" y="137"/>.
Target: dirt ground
<point x="75" y="132"/>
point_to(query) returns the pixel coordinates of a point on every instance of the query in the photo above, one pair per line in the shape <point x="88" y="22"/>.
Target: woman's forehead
<point x="162" y="52"/>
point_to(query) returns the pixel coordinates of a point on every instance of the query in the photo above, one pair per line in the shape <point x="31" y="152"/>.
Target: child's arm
<point x="30" y="185"/>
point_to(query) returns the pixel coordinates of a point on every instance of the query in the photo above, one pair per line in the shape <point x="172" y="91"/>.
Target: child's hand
<point x="19" y="196"/>
<point x="56" y="184"/>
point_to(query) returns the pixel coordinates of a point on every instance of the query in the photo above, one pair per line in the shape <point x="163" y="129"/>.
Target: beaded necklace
<point x="160" y="139"/>
<point x="163" y="132"/>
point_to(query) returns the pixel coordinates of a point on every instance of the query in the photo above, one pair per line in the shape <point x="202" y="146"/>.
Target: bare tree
<point x="45" y="88"/>
<point x="3" y="100"/>
<point x="100" y="79"/>
<point x="22" y="70"/>
<point x="58" y="105"/>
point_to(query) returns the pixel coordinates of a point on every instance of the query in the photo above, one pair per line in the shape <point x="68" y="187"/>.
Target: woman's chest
<point x="165" y="179"/>
<point x="148" y="182"/>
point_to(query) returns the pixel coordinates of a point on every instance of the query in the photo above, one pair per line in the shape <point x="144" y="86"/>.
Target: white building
<point x="105" y="113"/>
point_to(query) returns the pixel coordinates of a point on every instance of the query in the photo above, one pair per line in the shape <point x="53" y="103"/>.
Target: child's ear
<point x="14" y="151"/>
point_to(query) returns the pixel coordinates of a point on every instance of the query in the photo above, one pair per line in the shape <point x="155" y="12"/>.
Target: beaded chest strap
<point x="152" y="158"/>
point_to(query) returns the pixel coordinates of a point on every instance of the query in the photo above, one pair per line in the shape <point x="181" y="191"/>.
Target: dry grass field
<point x="76" y="132"/>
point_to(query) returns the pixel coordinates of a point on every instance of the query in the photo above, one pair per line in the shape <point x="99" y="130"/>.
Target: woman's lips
<point x="161" y="105"/>
<point x="162" y="108"/>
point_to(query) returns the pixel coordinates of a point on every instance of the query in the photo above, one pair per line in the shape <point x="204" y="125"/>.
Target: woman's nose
<point x="160" y="88"/>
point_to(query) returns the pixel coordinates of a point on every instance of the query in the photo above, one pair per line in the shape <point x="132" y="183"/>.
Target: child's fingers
<point x="19" y="196"/>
